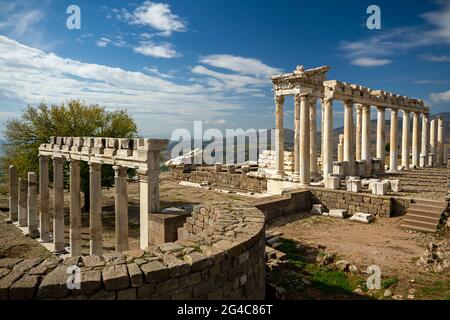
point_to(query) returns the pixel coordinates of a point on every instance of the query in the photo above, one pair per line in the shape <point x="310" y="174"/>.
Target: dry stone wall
<point x="223" y="261"/>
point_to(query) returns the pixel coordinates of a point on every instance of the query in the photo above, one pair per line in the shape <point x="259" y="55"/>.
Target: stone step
<point x="424" y="218"/>
<point x="426" y="208"/>
<point x="431" y="203"/>
<point x="415" y="228"/>
<point x="420" y="224"/>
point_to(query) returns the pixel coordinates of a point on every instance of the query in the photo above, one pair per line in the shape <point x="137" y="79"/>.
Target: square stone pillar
<point x="365" y="137"/>
<point x="95" y="213"/>
<point x="405" y="140"/>
<point x="327" y="137"/>
<point x="32" y="205"/>
<point x="381" y="128"/>
<point x="58" y="204"/>
<point x="305" y="179"/>
<point x="358" y="131"/>
<point x="44" y="219"/>
<point x="349" y="156"/>
<point x="425" y="140"/>
<point x="440" y="140"/>
<point x="393" y="154"/>
<point x="22" y="210"/>
<point x="75" y="209"/>
<point x="312" y="101"/>
<point x="13" y="189"/>
<point x="121" y="207"/>
<point x="279" y="135"/>
<point x="416" y="140"/>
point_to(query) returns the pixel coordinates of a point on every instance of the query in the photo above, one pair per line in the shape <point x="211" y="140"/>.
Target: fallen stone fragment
<point x="362" y="217"/>
<point x="338" y="213"/>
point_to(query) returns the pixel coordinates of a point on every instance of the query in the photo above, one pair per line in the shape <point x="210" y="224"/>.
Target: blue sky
<point x="173" y="62"/>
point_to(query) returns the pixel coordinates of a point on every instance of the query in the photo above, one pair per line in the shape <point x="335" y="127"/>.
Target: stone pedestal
<point x="340" y="168"/>
<point x="354" y="185"/>
<point x="380" y="188"/>
<point x="121" y="208"/>
<point x="332" y="182"/>
<point x="75" y="209"/>
<point x="360" y="168"/>
<point x="22" y="210"/>
<point x="163" y="227"/>
<point x="376" y="166"/>
<point x="95" y="213"/>
<point x="32" y="205"/>
<point x="13" y="190"/>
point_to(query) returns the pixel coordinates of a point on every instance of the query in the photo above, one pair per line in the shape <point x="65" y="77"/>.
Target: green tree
<point x="76" y="119"/>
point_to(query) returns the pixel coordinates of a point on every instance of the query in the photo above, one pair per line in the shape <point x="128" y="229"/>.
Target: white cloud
<point x="370" y="62"/>
<point x="429" y="82"/>
<point x="29" y="75"/>
<point x="155" y="15"/>
<point x="240" y="64"/>
<point x="155" y="71"/>
<point x="441" y="97"/>
<point x="164" y="50"/>
<point x="441" y="21"/>
<point x="435" y="58"/>
<point x="102" y="42"/>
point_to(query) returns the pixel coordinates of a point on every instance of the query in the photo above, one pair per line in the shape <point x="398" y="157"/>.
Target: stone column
<point x="349" y="156"/>
<point x="433" y="139"/>
<point x="279" y="135"/>
<point x="297" y="139"/>
<point x="340" y="148"/>
<point x="121" y="207"/>
<point x="44" y="219"/>
<point x="313" y="136"/>
<point x="381" y="127"/>
<point x="58" y="204"/>
<point x="440" y="140"/>
<point x="22" y="212"/>
<point x="405" y="140"/>
<point x="358" y="142"/>
<point x="365" y="135"/>
<point x="327" y="137"/>
<point x="425" y="139"/>
<point x="75" y="209"/>
<point x="304" y="143"/>
<point x="32" y="206"/>
<point x="95" y="213"/>
<point x="415" y="140"/>
<point x="13" y="188"/>
<point x="393" y="154"/>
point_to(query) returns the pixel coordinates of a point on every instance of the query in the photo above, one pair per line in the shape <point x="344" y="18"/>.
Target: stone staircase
<point x="423" y="215"/>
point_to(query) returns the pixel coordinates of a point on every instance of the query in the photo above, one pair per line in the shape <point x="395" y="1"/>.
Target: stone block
<point x="198" y="261"/>
<point x="116" y="277"/>
<point x="177" y="267"/>
<point x="155" y="271"/>
<point x="396" y="185"/>
<point x="136" y="277"/>
<point x="362" y="217"/>
<point x="91" y="281"/>
<point x="332" y="182"/>
<point x="338" y="213"/>
<point x="318" y="209"/>
<point x="54" y="285"/>
<point x="380" y="188"/>
<point x="127" y="294"/>
<point x="24" y="288"/>
<point x="354" y="185"/>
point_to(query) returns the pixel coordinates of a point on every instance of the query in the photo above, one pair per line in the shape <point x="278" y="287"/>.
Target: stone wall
<point x="224" y="261"/>
<point x="277" y="206"/>
<point x="357" y="202"/>
<point x="224" y="179"/>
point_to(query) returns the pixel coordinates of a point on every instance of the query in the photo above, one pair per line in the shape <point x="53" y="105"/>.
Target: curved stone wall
<point x="223" y="261"/>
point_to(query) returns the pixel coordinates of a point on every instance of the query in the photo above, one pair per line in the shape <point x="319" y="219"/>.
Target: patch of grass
<point x="294" y="256"/>
<point x="389" y="282"/>
<point x="329" y="281"/>
<point x="437" y="290"/>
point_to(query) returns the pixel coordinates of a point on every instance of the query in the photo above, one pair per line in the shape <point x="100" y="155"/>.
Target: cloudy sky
<point x="171" y="63"/>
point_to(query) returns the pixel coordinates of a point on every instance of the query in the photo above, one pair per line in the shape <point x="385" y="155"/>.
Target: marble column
<point x="13" y="189"/>
<point x="416" y="140"/>
<point x="393" y="153"/>
<point x="32" y="205"/>
<point x="405" y="140"/>
<point x="297" y="139"/>
<point x="327" y="137"/>
<point x="425" y="140"/>
<point x="279" y="135"/>
<point x="149" y="195"/>
<point x="75" y="209"/>
<point x="58" y="204"/>
<point x="22" y="211"/>
<point x="381" y="128"/>
<point x="349" y="156"/>
<point x="44" y="219"/>
<point x="433" y="140"/>
<point x="95" y="212"/>
<point x="340" y="148"/>
<point x="440" y="141"/>
<point x="358" y="133"/>
<point x="312" y="101"/>
<point x="121" y="207"/>
<point x="365" y="137"/>
<point x="304" y="141"/>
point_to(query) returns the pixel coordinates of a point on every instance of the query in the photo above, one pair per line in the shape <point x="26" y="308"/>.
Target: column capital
<point x="405" y="112"/>
<point x="326" y="100"/>
<point x="348" y="103"/>
<point x="120" y="171"/>
<point x="94" y="166"/>
<point x="394" y="111"/>
<point x="358" y="107"/>
<point x="279" y="99"/>
<point x="57" y="159"/>
<point x="380" y="109"/>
